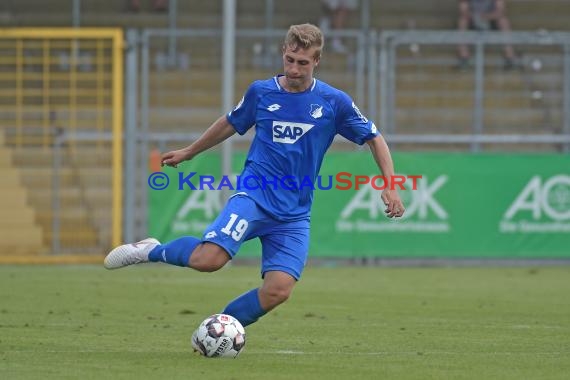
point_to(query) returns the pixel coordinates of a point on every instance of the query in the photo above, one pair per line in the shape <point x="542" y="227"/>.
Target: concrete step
<point x="83" y="156"/>
<point x="459" y="100"/>
<point x="17" y="240"/>
<point x="440" y="115"/>
<point x="81" y="239"/>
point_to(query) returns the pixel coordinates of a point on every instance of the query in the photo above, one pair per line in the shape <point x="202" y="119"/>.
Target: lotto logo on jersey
<point x="287" y="132"/>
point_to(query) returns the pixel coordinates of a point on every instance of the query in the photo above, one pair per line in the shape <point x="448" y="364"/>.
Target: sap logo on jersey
<point x="287" y="132"/>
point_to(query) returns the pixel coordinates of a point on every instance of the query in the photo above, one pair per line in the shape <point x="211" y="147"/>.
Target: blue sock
<point x="246" y="308"/>
<point x="177" y="252"/>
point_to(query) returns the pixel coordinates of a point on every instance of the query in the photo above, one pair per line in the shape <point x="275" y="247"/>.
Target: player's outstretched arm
<point x="215" y="134"/>
<point x="390" y="196"/>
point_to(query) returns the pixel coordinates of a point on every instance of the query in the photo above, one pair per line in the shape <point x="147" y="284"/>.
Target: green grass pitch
<point x="83" y="322"/>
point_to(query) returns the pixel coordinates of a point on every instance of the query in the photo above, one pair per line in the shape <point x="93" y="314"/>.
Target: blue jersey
<point x="292" y="133"/>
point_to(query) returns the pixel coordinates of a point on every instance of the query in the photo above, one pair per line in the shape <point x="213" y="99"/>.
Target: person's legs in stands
<point x="160" y="5"/>
<point x="463" y="24"/>
<point x="504" y="25"/>
<point x="134" y="5"/>
<point x="338" y="12"/>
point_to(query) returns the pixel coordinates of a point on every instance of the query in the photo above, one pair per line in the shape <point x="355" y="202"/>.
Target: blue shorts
<point x="285" y="245"/>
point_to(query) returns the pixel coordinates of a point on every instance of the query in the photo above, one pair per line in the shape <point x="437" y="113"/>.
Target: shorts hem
<point x="228" y="252"/>
<point x="278" y="268"/>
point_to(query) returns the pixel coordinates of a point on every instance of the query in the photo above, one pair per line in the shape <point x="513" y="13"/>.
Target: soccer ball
<point x="219" y="336"/>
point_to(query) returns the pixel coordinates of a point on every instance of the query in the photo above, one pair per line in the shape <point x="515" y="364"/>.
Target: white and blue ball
<point x="219" y="336"/>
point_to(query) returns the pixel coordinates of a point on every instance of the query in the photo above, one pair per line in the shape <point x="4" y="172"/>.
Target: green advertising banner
<point x="463" y="206"/>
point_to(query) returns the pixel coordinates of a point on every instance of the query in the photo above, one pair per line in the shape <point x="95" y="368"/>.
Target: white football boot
<point x="129" y="254"/>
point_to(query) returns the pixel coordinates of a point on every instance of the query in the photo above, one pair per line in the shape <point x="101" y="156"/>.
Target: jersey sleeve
<point x="351" y="124"/>
<point x="242" y="117"/>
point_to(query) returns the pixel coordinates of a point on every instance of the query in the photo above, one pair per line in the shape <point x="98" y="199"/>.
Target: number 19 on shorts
<point x="237" y="231"/>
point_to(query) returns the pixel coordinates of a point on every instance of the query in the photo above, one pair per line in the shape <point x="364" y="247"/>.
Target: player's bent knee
<point x="208" y="258"/>
<point x="276" y="289"/>
<point x="272" y="296"/>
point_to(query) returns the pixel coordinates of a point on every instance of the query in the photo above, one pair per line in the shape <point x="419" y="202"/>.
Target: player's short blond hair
<point x="305" y="36"/>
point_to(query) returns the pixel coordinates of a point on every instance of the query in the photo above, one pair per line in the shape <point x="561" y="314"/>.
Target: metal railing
<point x="69" y="81"/>
<point x="390" y="63"/>
<point x="97" y="209"/>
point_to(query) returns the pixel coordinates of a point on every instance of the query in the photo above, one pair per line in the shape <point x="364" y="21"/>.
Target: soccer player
<point x="296" y="118"/>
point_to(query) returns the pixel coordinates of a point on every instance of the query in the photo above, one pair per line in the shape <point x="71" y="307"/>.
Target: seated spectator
<point x="484" y="15"/>
<point x="336" y="14"/>
<point x="157" y="5"/>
